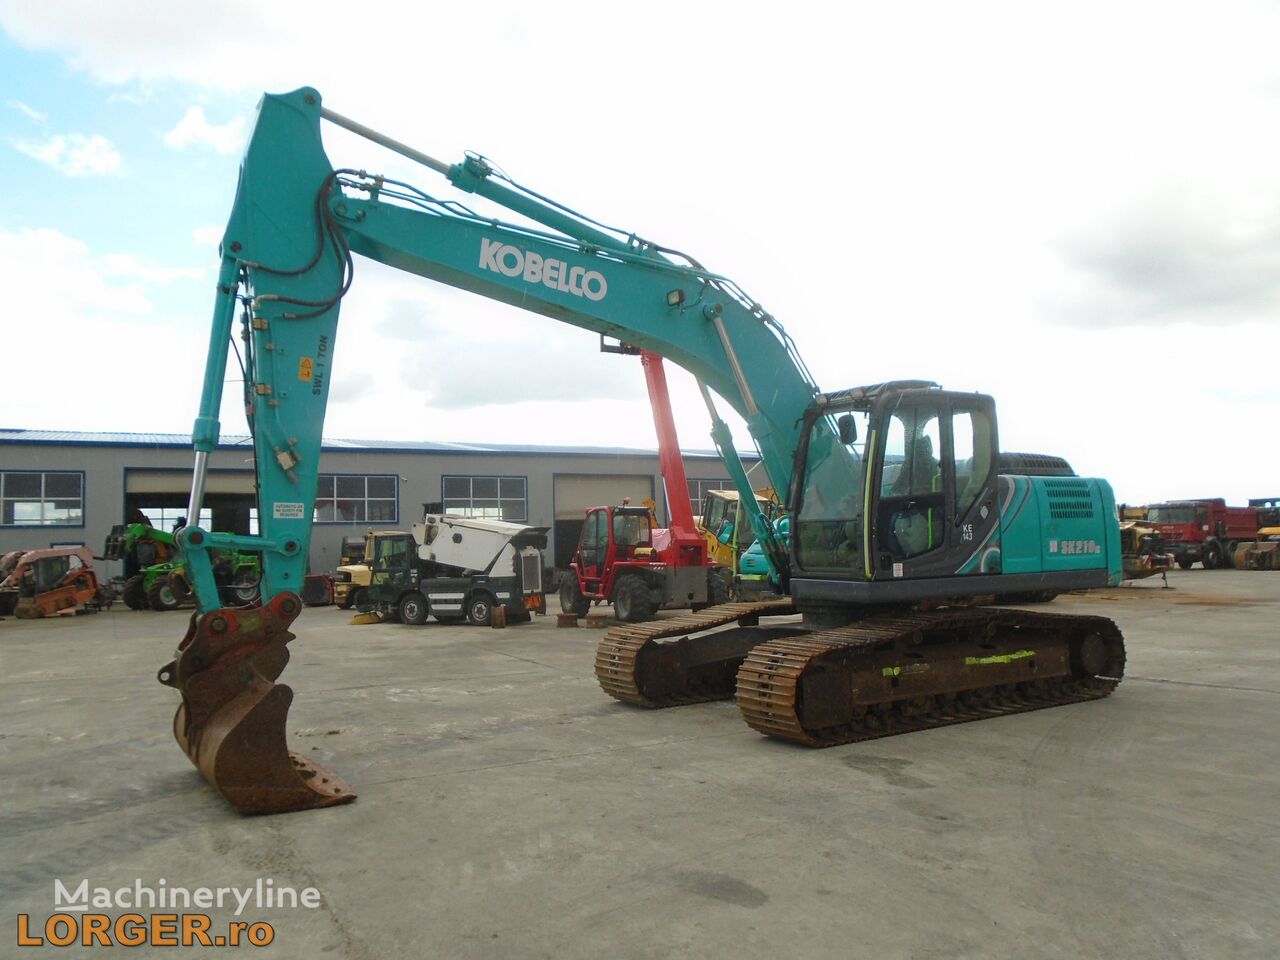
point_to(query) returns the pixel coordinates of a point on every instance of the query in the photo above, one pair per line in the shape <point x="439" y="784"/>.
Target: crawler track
<point x="634" y="666"/>
<point x="893" y="674"/>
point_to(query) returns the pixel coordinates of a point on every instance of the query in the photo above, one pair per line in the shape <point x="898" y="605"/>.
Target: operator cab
<point x="393" y="556"/>
<point x="895" y="481"/>
<point x="610" y="535"/>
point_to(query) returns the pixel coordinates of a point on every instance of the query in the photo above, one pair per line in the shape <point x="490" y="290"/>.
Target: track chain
<point x="618" y="653"/>
<point x="769" y="681"/>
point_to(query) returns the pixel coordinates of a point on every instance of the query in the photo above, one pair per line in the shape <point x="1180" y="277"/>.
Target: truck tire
<point x="1232" y="547"/>
<point x="413" y="609"/>
<point x="134" y="593"/>
<point x="631" y="600"/>
<point x="161" y="597"/>
<point x="571" y="598"/>
<point x="1185" y="563"/>
<point x="479" y="610"/>
<point x="1211" y="555"/>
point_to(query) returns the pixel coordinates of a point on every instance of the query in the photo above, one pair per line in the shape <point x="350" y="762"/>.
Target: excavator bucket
<point x="232" y="719"/>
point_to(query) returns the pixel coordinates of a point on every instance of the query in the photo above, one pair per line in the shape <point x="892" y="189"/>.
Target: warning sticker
<point x="288" y="511"/>
<point x="306" y="367"/>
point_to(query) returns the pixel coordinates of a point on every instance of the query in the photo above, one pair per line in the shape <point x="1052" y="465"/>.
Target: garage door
<point x="179" y="481"/>
<point x="574" y="493"/>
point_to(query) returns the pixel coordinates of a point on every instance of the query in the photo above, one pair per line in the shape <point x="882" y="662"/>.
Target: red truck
<point x="1204" y="530"/>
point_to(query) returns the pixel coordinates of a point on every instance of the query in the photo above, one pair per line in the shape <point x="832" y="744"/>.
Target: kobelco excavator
<point x="904" y="512"/>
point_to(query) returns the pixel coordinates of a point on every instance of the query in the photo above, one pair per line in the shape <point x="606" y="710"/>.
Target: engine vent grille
<point x="1069" y="499"/>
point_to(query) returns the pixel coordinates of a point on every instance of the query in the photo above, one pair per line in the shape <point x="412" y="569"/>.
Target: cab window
<point x="911" y="488"/>
<point x="971" y="441"/>
<point x="392" y="552"/>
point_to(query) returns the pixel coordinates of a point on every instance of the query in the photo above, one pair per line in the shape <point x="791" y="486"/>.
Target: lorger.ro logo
<point x="141" y="914"/>
<point x="511" y="261"/>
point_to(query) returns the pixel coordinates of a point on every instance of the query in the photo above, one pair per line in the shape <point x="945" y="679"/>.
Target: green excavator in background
<point x="155" y="578"/>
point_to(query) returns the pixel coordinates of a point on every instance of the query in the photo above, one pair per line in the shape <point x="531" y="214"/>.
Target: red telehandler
<point x="623" y="558"/>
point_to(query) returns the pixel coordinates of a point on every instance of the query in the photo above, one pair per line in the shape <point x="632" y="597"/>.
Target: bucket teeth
<point x="231" y="723"/>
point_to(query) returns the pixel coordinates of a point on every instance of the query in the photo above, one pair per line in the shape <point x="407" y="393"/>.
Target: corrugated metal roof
<point x="182" y="440"/>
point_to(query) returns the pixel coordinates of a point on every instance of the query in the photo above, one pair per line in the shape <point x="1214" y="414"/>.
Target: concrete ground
<point x="509" y="809"/>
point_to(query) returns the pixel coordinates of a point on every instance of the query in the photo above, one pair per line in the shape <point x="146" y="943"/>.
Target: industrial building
<point x="69" y="488"/>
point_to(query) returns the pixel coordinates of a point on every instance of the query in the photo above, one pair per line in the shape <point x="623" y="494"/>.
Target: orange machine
<point x="45" y="582"/>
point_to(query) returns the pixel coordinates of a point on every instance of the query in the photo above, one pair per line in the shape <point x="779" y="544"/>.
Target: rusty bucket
<point x="231" y="723"/>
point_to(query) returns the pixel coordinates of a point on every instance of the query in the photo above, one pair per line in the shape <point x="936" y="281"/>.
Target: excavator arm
<point x="287" y="261"/>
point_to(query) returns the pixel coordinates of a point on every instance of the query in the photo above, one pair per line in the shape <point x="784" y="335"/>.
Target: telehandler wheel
<point x="631" y="600"/>
<point x="134" y="593"/>
<point x="161" y="597"/>
<point x="479" y="610"/>
<point x="413" y="609"/>
<point x="571" y="598"/>
<point x="244" y="589"/>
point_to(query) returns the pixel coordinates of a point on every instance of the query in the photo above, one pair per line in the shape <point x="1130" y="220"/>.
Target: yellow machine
<point x="1262" y="554"/>
<point x="724" y="525"/>
<point x="356" y="574"/>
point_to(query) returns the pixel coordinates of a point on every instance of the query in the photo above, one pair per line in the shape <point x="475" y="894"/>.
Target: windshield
<point x="631" y="529"/>
<point x="828" y="525"/>
<point x="1172" y="514"/>
<point x="392" y="552"/>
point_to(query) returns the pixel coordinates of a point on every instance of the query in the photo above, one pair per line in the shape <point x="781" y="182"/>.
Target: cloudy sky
<point x="1075" y="208"/>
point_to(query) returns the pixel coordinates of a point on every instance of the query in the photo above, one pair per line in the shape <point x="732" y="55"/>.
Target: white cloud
<point x="209" y="236"/>
<point x="30" y="113"/>
<point x="195" y="128"/>
<point x="79" y="322"/>
<point x="75" y="154"/>
<point x="51" y="262"/>
<point x="132" y="267"/>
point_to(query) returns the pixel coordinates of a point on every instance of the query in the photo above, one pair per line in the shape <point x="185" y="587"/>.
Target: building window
<point x="493" y="498"/>
<point x="165" y="518"/>
<point x="699" y="488"/>
<point x="35" y="499"/>
<point x="342" y="498"/>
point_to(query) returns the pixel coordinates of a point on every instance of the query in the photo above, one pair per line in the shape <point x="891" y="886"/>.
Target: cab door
<point x="593" y="549"/>
<point x="391" y="561"/>
<point x="936" y="510"/>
